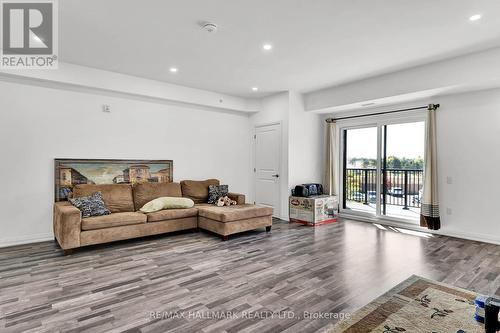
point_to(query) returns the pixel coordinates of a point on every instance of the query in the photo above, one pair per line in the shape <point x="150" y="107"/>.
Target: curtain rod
<point x="428" y="107"/>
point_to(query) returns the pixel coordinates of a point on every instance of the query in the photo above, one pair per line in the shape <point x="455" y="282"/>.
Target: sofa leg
<point x="268" y="228"/>
<point x="225" y="238"/>
<point x="68" y="252"/>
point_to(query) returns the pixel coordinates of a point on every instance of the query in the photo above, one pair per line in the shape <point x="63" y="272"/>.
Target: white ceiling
<point x="317" y="43"/>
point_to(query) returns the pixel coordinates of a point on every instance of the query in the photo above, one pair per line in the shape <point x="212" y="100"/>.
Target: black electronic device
<point x="491" y="310"/>
<point x="307" y="190"/>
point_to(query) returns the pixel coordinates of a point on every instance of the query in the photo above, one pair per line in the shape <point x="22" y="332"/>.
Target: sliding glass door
<point x="382" y="170"/>
<point x="360" y="173"/>
<point x="402" y="169"/>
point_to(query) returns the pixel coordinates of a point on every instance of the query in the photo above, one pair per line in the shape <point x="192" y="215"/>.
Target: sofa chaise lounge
<point x="126" y="221"/>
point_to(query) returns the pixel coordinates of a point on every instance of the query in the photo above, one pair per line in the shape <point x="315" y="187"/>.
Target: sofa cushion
<point x="239" y="198"/>
<point x="171" y="214"/>
<point x="113" y="220"/>
<point x="197" y="189"/>
<point x="117" y="197"/>
<point x="234" y="213"/>
<point x="145" y="192"/>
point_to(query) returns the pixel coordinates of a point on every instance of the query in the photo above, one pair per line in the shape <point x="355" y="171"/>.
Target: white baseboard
<point x="10" y="241"/>
<point x="470" y="236"/>
<point x="451" y="233"/>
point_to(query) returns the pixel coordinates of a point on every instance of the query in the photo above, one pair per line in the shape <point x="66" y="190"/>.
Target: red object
<point x="310" y="224"/>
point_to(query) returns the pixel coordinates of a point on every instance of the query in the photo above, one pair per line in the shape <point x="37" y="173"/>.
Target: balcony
<point x="400" y="197"/>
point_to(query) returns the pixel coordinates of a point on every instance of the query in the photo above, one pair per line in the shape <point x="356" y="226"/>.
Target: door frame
<point x="277" y="210"/>
<point x="378" y="121"/>
<point x="342" y="141"/>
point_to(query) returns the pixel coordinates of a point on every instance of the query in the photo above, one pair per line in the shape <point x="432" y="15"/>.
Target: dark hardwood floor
<point x="334" y="268"/>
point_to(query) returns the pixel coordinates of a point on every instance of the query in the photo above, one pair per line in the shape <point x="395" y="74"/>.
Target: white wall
<point x="468" y="134"/>
<point x="468" y="127"/>
<point x="475" y="71"/>
<point x="39" y="124"/>
<point x="274" y="109"/>
<point x="306" y="144"/>
<point x="302" y="141"/>
<point x="70" y="75"/>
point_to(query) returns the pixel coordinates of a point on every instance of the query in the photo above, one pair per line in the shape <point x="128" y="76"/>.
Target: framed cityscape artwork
<point x="71" y="172"/>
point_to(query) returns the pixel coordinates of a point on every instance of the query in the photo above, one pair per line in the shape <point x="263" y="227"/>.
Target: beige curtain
<point x="332" y="150"/>
<point x="429" y="214"/>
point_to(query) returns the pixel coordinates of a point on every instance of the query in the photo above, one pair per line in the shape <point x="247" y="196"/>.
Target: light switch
<point x="449" y="180"/>
<point x="106" y="108"/>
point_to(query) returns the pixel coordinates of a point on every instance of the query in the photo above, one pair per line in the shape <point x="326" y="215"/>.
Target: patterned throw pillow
<point x="91" y="206"/>
<point x="216" y="191"/>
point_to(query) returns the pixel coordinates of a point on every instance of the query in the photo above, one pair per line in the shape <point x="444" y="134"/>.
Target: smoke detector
<point x="210" y="27"/>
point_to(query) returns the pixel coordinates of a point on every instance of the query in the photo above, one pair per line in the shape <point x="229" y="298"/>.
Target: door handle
<point x="276" y="176"/>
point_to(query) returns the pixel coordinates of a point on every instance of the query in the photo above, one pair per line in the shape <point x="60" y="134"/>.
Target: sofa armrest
<point x="67" y="224"/>
<point x="239" y="198"/>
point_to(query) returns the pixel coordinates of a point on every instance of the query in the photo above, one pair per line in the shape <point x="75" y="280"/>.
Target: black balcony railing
<point x="400" y="188"/>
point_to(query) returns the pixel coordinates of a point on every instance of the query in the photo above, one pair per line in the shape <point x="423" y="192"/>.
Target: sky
<point x="403" y="140"/>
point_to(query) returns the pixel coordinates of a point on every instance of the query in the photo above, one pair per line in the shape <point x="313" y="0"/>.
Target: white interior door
<point x="267" y="166"/>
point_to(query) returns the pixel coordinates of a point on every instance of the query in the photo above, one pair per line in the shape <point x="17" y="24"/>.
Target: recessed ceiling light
<point x="267" y="46"/>
<point x="255" y="88"/>
<point x="475" y="17"/>
<point x="173" y="70"/>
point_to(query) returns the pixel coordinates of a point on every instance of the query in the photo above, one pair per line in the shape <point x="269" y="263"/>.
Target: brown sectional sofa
<point x="226" y="221"/>
<point x="125" y="221"/>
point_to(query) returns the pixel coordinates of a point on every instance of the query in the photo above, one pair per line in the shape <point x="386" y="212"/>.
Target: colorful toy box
<point x="313" y="211"/>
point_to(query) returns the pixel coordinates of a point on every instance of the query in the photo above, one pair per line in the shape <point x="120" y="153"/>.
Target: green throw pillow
<point x="166" y="203"/>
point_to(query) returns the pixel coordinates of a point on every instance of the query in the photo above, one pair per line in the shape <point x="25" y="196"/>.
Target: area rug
<point x="416" y="305"/>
